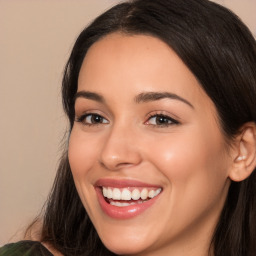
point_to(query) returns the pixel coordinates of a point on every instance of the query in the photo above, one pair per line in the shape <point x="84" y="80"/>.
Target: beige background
<point x="36" y="37"/>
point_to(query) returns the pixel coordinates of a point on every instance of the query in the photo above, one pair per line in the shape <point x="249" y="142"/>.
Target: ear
<point x="244" y="153"/>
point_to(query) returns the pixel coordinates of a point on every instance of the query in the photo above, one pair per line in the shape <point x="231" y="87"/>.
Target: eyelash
<point x="82" y="119"/>
<point x="168" y="121"/>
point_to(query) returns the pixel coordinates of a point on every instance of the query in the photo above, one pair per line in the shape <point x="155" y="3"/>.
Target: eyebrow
<point x="154" y="96"/>
<point x="90" y="96"/>
<point x="142" y="97"/>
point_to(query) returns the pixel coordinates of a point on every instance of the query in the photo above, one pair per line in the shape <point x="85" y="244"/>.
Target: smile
<point x="128" y="196"/>
<point x="125" y="199"/>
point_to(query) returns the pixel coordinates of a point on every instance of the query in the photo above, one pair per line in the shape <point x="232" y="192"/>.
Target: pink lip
<point x="125" y="212"/>
<point x="123" y="183"/>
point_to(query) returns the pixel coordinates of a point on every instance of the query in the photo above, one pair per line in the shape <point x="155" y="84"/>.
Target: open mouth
<point x="122" y="197"/>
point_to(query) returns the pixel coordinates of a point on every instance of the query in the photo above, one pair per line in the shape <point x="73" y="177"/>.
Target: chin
<point x="125" y="248"/>
<point x="126" y="244"/>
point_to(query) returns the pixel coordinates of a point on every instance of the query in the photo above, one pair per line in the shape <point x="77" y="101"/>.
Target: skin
<point x="188" y="159"/>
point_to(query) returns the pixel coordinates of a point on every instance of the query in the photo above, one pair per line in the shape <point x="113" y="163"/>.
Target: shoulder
<point x="24" y="248"/>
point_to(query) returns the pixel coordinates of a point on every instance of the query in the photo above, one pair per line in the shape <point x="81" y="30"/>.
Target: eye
<point x="161" y="120"/>
<point x="92" y="119"/>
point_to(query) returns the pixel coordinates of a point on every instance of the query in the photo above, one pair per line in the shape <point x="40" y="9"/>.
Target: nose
<point x="120" y="149"/>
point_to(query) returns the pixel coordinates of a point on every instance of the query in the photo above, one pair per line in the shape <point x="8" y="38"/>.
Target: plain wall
<point x="36" y="37"/>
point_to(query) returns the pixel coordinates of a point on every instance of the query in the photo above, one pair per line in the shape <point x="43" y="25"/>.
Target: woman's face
<point x="147" y="136"/>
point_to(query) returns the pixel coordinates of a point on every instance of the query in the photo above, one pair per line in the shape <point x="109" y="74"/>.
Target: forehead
<point x="145" y="52"/>
<point x="131" y="64"/>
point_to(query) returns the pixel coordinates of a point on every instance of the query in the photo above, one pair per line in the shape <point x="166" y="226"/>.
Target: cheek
<point x="195" y="177"/>
<point x="82" y="153"/>
<point x="192" y="165"/>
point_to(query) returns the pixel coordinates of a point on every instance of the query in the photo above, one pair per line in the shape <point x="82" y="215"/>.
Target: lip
<point x="125" y="212"/>
<point x="116" y="183"/>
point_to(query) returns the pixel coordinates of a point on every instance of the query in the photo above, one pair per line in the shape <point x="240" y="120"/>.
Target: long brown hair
<point x="221" y="52"/>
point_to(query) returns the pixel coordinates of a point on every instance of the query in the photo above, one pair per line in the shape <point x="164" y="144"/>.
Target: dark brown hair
<point x="221" y="52"/>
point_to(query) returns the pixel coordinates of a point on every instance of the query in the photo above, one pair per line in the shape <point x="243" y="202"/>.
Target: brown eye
<point x="161" y="120"/>
<point x="92" y="119"/>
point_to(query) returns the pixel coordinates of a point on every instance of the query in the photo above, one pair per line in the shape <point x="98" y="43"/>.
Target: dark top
<point x="24" y="248"/>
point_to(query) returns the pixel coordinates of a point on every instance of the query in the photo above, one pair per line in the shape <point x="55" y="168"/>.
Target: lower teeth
<point x="123" y="204"/>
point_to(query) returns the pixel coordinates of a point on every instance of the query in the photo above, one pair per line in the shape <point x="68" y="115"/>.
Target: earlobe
<point x="244" y="160"/>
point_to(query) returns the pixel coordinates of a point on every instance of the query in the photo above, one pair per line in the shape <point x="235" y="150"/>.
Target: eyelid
<point x="163" y="114"/>
<point x="80" y="118"/>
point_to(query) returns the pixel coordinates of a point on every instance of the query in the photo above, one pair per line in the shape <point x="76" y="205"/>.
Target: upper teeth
<point x="129" y="194"/>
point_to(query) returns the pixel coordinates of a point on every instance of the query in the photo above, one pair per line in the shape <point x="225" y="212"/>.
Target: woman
<point x="161" y="155"/>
